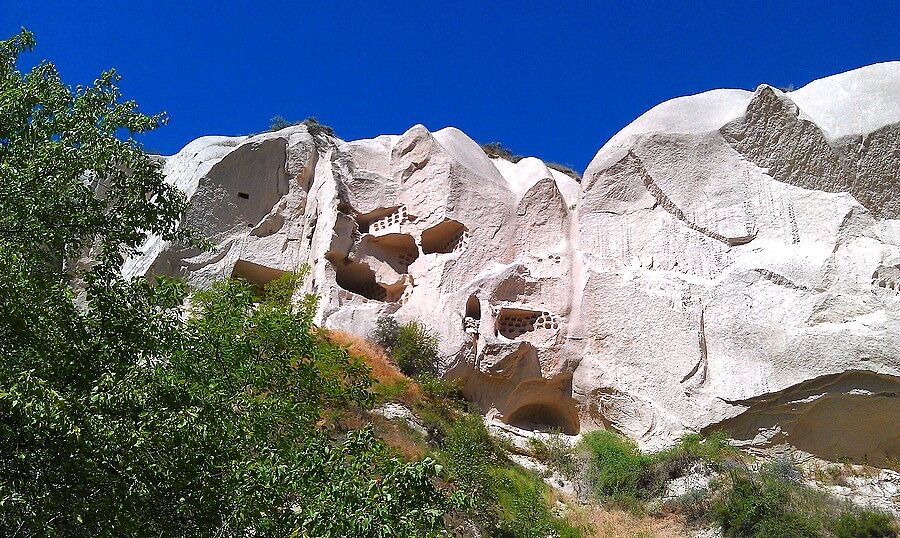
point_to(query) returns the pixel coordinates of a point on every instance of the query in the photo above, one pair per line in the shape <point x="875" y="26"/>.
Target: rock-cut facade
<point x="729" y="260"/>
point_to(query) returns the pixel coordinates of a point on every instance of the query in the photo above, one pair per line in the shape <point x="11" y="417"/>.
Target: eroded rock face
<point x="730" y="259"/>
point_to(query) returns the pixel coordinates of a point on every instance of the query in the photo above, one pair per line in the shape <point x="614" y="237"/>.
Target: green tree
<point x="122" y="413"/>
<point x="416" y="350"/>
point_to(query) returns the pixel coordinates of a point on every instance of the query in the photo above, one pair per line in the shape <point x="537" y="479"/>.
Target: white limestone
<point x="730" y="259"/>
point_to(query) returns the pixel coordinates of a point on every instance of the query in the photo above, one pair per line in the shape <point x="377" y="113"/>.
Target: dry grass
<point x="387" y="377"/>
<point x="401" y="439"/>
<point x="614" y="523"/>
<point x="384" y="371"/>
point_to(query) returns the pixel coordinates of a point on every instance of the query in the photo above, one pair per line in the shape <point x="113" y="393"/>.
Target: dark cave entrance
<point x="542" y="417"/>
<point x="443" y="238"/>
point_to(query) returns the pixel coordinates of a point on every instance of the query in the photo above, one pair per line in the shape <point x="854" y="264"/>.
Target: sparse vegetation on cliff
<point x="322" y="134"/>
<point x="496" y="150"/>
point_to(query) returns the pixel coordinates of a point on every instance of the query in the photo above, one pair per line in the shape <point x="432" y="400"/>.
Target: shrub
<point x="278" y="122"/>
<point x="469" y="451"/>
<point x="523" y="506"/>
<point x="863" y="524"/>
<point x="496" y="150"/>
<point x="385" y="332"/>
<point x="712" y="449"/>
<point x="693" y="504"/>
<point x="617" y="468"/>
<point x="783" y="468"/>
<point x="441" y="390"/>
<point x="760" y="508"/>
<point x="529" y="515"/>
<point x="508" y="500"/>
<point x="787" y="525"/>
<point x="618" y="471"/>
<point x="316" y="129"/>
<point x="416" y="350"/>
<point x="556" y="453"/>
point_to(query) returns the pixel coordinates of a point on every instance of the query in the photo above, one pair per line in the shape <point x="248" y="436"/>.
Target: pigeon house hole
<point x="514" y="322"/>
<point x="444" y="238"/>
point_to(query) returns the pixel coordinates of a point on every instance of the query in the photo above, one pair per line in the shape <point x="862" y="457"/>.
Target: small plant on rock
<point x="495" y="150"/>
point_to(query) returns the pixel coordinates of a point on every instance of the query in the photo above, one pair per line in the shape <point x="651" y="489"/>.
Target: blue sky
<point x="546" y="80"/>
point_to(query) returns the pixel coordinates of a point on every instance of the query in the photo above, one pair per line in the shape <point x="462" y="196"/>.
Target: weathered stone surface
<point x="729" y="259"/>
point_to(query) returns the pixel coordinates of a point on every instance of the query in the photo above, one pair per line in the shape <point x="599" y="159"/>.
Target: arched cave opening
<point x="543" y="417"/>
<point x="258" y="275"/>
<point x="473" y="308"/>
<point x="444" y="238"/>
<point x="397" y="250"/>
<point x="850" y="416"/>
<point x="358" y="278"/>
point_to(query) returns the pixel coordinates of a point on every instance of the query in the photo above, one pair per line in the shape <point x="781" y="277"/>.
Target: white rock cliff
<point x="729" y="260"/>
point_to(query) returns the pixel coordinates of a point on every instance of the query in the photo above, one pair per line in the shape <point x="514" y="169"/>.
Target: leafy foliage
<point x="510" y="501"/>
<point x="123" y="413"/>
<point x="523" y="505"/>
<point x="69" y="183"/>
<point x="771" y="501"/>
<point x="413" y="346"/>
<point x="385" y="332"/>
<point x="864" y="524"/>
<point x="556" y="453"/>
<point x="760" y="508"/>
<point x="416" y="350"/>
<point x="617" y="470"/>
<point x="470" y="451"/>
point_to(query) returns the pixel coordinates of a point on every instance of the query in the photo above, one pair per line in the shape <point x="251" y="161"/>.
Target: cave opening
<point x="444" y="238"/>
<point x="849" y="416"/>
<point x="256" y="274"/>
<point x="514" y="322"/>
<point x="473" y="308"/>
<point x="358" y="278"/>
<point x="543" y="417"/>
<point x="397" y="250"/>
<point x="382" y="218"/>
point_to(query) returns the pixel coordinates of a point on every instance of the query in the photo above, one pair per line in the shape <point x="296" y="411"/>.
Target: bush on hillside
<point x="413" y="346"/>
<point x="567" y="170"/>
<point x="556" y="453"/>
<point x="385" y="332"/>
<point x="416" y="350"/>
<point x="617" y="469"/>
<point x="760" y="507"/>
<point x="864" y="524"/>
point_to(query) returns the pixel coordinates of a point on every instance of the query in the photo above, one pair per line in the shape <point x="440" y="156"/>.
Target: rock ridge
<point x="729" y="260"/>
